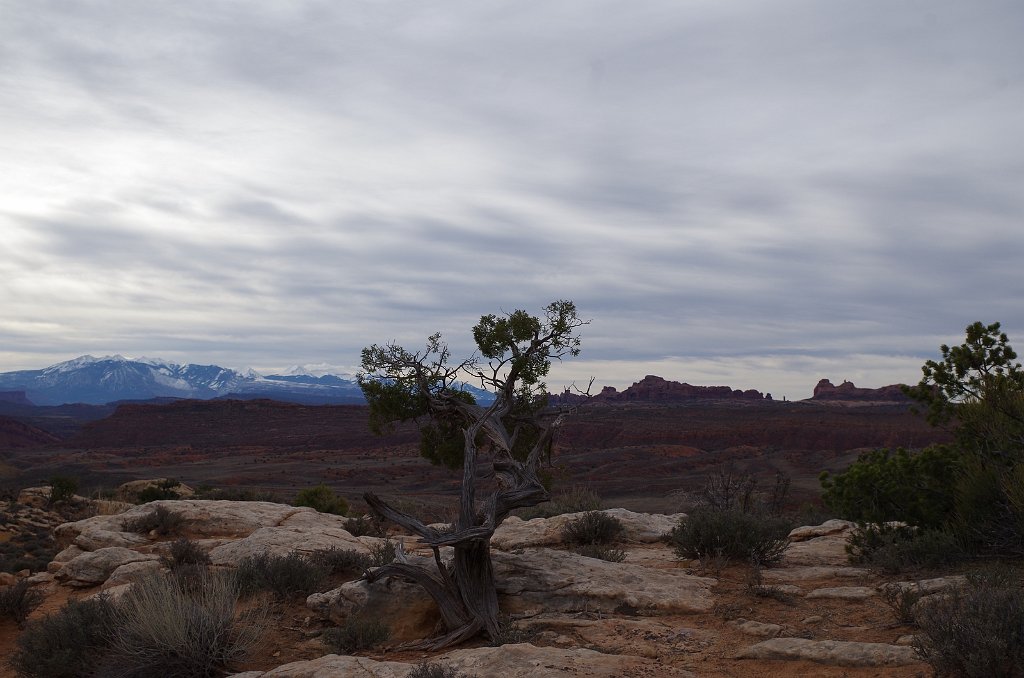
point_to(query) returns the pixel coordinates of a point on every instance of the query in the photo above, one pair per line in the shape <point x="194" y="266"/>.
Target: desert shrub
<point x="18" y="600"/>
<point x="435" y="670"/>
<point x="756" y="587"/>
<point x="334" y="560"/>
<point x="976" y="631"/>
<point x="593" y="527"/>
<point x="164" y="489"/>
<point x="356" y="634"/>
<point x="323" y="499"/>
<point x="916" y="488"/>
<point x="894" y="548"/>
<point x="576" y="499"/>
<point x="382" y="553"/>
<point x="601" y="552"/>
<point x="901" y="600"/>
<point x="731" y="534"/>
<point x="68" y="643"/>
<point x="31" y="548"/>
<point x="62" y="488"/>
<point x="360" y="526"/>
<point x="184" y="552"/>
<point x="194" y="632"/>
<point x="161" y="520"/>
<point x="284" y="576"/>
<point x="509" y="633"/>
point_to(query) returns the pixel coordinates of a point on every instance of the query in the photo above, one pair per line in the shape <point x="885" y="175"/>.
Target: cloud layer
<point x="749" y="193"/>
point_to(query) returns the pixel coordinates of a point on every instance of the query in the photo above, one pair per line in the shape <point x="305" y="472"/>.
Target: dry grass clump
<point x="356" y="634"/>
<point x="18" y="600"/>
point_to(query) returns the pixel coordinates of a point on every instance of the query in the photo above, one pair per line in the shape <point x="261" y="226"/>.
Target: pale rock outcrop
<point x="756" y="628"/>
<point x="200" y="518"/>
<point x="929" y="586"/>
<point x="290" y="539"/>
<point x="515" y="533"/>
<point x="831" y="652"/>
<point x="649" y="637"/>
<point x="533" y="581"/>
<point x="507" y="661"/>
<point x="406" y="608"/>
<point x="131" y="490"/>
<point x="94" y="567"/>
<point x="93" y="540"/>
<point x="129" y="573"/>
<point x="829" y="549"/>
<point x="829" y="527"/>
<point x="843" y="592"/>
<point x="546" y="579"/>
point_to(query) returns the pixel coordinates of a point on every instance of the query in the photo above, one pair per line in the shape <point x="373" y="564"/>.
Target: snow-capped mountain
<point x="92" y="380"/>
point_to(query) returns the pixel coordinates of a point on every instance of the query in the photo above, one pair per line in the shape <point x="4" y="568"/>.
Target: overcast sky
<point x="751" y="193"/>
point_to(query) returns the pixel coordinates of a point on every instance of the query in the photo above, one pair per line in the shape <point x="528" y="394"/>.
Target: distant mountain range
<point x="115" y="378"/>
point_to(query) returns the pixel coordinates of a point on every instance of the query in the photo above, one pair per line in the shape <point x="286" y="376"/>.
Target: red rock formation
<point x="825" y="390"/>
<point x="654" y="389"/>
<point x="15" y="434"/>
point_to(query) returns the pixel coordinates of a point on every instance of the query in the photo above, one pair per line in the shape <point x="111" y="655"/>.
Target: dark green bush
<point x="734" y="535"/>
<point x="68" y="643"/>
<point x="18" y="600"/>
<point x="31" y="548"/>
<point x="916" y="488"/>
<point x="593" y="527"/>
<point x="62" y="488"/>
<point x="284" y="576"/>
<point x="323" y="499"/>
<point x="893" y="548"/>
<point x="356" y="634"/>
<point x="165" y="489"/>
<point x="976" y="631"/>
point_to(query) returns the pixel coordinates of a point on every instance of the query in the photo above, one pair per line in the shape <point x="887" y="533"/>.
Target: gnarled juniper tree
<point x="515" y="431"/>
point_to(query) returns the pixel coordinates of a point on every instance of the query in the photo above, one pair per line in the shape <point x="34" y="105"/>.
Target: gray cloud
<point x="734" y="192"/>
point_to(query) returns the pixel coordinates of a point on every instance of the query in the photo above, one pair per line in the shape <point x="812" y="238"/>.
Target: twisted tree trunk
<point x="464" y="590"/>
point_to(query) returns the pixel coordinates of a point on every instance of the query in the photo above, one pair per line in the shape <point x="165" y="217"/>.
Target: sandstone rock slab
<point x="289" y="539"/>
<point x="95" y="567"/>
<point x="831" y="652"/>
<point x="827" y="528"/>
<point x="516" y="533"/>
<point x="843" y="592"/>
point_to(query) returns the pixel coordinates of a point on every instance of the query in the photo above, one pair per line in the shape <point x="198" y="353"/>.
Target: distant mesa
<point x="846" y="391"/>
<point x="655" y="389"/>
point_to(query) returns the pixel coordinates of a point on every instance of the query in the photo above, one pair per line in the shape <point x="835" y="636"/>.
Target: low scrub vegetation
<point x="335" y="560"/>
<point x="164" y="489"/>
<point x="30" y="548"/>
<point x="361" y="526"/>
<point x="323" y="499"/>
<point x="62" y="488"/>
<point x="576" y="499"/>
<point x="159" y="628"/>
<point x="355" y="634"/>
<point x="976" y="631"/>
<point x="285" y="576"/>
<point x="593" y="527"/>
<point x="435" y="670"/>
<point x="68" y="643"/>
<point x="183" y="553"/>
<point x="18" y="600"/>
<point x="892" y="548"/>
<point x="731" y="534"/>
<point x="160" y="520"/>
<point x="169" y="630"/>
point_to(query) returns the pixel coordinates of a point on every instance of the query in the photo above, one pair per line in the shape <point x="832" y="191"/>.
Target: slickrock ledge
<point x="508" y="661"/>
<point x="831" y="652"/>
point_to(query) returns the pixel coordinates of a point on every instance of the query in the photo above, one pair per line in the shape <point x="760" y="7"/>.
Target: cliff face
<point x="826" y="390"/>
